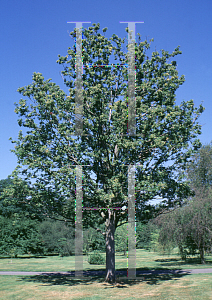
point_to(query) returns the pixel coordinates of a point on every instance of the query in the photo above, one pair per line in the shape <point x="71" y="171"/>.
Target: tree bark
<point x="202" y="257"/>
<point x="110" y="247"/>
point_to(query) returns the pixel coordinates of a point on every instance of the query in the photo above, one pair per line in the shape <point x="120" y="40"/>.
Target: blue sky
<point x="33" y="33"/>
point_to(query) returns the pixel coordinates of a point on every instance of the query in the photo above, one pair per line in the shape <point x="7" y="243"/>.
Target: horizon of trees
<point x="188" y="227"/>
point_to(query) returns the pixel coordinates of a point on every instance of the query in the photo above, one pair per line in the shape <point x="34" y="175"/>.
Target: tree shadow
<point x="24" y="257"/>
<point x="179" y="262"/>
<point x="151" y="277"/>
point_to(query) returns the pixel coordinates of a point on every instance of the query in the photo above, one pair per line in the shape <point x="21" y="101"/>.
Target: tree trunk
<point x="110" y="247"/>
<point x="202" y="257"/>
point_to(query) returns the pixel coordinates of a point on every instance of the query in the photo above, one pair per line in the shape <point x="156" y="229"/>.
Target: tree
<point x="4" y="183"/>
<point x="93" y="240"/>
<point x="199" y="174"/>
<point x="57" y="237"/>
<point x="174" y="233"/>
<point x="121" y="239"/>
<point x="199" y="169"/>
<point x="49" y="151"/>
<point x="144" y="235"/>
<point x="189" y="227"/>
<point x="15" y="199"/>
<point x="19" y="236"/>
<point x="5" y="210"/>
<point x="18" y="221"/>
<point x="201" y="222"/>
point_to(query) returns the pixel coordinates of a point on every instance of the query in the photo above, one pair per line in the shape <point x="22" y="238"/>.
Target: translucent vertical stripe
<point x="78" y="225"/>
<point x="131" y="80"/>
<point x="78" y="82"/>
<point x="131" y="223"/>
<point x="131" y="169"/>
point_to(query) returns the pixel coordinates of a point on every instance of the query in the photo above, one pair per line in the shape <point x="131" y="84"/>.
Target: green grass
<point x="144" y="260"/>
<point x="192" y="287"/>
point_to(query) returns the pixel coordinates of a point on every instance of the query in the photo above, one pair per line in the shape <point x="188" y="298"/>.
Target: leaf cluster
<point x="166" y="133"/>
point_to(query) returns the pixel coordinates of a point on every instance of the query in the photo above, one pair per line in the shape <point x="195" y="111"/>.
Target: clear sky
<point x="33" y="33"/>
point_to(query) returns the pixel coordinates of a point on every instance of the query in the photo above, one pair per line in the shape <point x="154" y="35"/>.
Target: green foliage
<point x="96" y="259"/>
<point x="50" y="149"/>
<point x="189" y="227"/>
<point x="143" y="236"/>
<point x="4" y="183"/>
<point x="8" y="203"/>
<point x="147" y="235"/>
<point x="57" y="237"/>
<point x="199" y="169"/>
<point x="15" y="199"/>
<point x="48" y="152"/>
<point x="62" y="247"/>
<point x="19" y="236"/>
<point x="121" y="238"/>
<point x="93" y="240"/>
<point x="154" y="244"/>
<point x="18" y="229"/>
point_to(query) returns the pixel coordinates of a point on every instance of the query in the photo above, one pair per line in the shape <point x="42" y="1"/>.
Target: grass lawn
<point x="192" y="287"/>
<point x="195" y="286"/>
<point x="144" y="260"/>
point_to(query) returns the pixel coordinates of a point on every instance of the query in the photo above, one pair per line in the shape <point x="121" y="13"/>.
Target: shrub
<point x="121" y="238"/>
<point x="58" y="237"/>
<point x="19" y="236"/>
<point x="96" y="259"/>
<point x="93" y="240"/>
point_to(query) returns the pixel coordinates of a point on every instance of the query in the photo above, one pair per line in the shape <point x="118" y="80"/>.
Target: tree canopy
<point x="190" y="226"/>
<point x="166" y="133"/>
<point x="199" y="169"/>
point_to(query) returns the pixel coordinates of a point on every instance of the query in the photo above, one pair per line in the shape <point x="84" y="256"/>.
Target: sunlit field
<point x="144" y="260"/>
<point x="165" y="286"/>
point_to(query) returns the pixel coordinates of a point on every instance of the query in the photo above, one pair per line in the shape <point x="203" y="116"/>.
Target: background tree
<point x="15" y="195"/>
<point x="174" y="232"/>
<point x="199" y="174"/>
<point x="93" y="240"/>
<point x="5" y="210"/>
<point x="146" y="236"/>
<point x="19" y="223"/>
<point x="49" y="151"/>
<point x="20" y="236"/>
<point x="199" y="169"/>
<point x="200" y="225"/>
<point x="5" y="183"/>
<point x="190" y="227"/>
<point x="57" y="237"/>
<point x="121" y="239"/>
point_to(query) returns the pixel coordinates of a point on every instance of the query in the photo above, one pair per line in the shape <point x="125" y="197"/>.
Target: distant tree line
<point x="189" y="227"/>
<point x="25" y="229"/>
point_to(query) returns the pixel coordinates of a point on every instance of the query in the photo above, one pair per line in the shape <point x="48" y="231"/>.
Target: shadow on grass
<point x="151" y="277"/>
<point x="24" y="257"/>
<point x="178" y="262"/>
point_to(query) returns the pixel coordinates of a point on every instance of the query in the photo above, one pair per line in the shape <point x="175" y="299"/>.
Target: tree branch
<point x="99" y="230"/>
